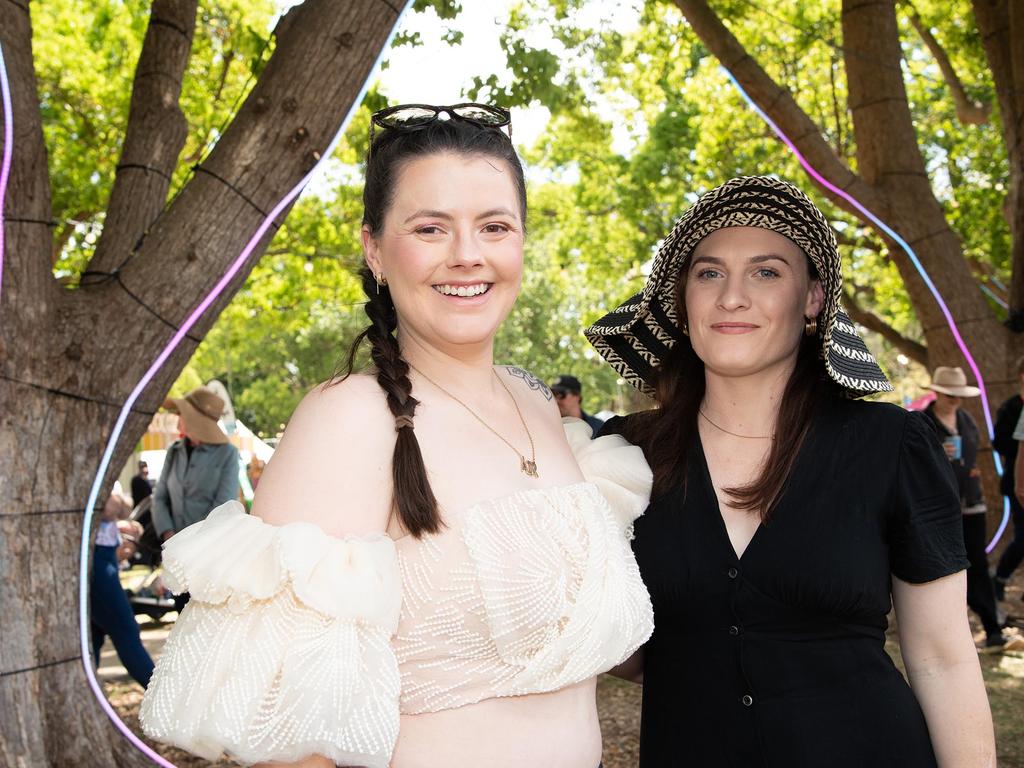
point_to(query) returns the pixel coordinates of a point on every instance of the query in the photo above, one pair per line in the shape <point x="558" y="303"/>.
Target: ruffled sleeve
<point x="284" y="649"/>
<point x="616" y="467"/>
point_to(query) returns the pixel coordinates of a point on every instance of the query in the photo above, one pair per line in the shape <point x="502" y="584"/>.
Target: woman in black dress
<point x="787" y="516"/>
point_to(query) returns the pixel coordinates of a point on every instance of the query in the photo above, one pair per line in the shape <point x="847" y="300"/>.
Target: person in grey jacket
<point x="200" y="470"/>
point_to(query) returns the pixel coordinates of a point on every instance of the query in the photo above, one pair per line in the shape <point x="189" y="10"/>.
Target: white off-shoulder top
<point x="298" y="643"/>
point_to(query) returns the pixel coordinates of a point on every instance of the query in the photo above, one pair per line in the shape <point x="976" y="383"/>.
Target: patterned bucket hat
<point x="636" y="336"/>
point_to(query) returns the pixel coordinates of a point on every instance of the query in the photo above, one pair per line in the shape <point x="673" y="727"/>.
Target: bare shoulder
<point x="529" y="389"/>
<point x="332" y="466"/>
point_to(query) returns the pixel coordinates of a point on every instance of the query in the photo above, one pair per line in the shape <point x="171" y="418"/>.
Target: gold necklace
<point x="734" y="434"/>
<point x="527" y="466"/>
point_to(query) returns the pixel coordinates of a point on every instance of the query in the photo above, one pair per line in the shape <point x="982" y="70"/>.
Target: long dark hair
<point x="413" y="498"/>
<point x="667" y="433"/>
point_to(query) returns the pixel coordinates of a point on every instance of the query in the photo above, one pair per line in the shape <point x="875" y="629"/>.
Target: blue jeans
<point x="112" y="616"/>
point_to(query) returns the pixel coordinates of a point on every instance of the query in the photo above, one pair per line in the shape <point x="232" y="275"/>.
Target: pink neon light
<point x="5" y="165"/>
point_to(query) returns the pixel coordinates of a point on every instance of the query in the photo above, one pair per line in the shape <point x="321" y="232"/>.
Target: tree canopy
<point x="643" y="119"/>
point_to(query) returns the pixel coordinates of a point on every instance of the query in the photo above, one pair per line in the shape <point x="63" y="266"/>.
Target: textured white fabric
<point x="284" y="649"/>
<point x="616" y="467"/>
<point x="530" y="592"/>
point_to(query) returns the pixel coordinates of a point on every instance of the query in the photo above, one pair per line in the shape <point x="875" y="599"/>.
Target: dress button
<point x="748" y="700"/>
<point x="734" y="630"/>
<point x="732" y="573"/>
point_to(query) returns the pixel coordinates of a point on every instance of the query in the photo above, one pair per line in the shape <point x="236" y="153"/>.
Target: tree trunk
<point x="68" y="359"/>
<point x="1001" y="25"/>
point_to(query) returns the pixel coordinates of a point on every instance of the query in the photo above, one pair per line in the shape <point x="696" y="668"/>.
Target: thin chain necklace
<point x="527" y="465"/>
<point x="734" y="434"/>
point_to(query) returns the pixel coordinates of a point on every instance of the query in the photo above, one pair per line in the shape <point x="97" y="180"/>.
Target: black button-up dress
<point x="776" y="659"/>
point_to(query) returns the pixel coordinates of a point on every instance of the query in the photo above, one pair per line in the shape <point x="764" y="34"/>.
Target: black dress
<point x="777" y="659"/>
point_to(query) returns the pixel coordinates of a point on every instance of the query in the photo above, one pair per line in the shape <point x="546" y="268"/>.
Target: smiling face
<point x="451" y="248"/>
<point x="748" y="292"/>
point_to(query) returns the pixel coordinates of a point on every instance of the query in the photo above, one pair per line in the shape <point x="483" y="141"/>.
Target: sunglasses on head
<point x="412" y="117"/>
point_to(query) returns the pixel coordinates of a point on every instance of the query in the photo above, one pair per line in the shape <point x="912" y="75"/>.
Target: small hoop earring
<point x="810" y="326"/>
<point x="380" y="280"/>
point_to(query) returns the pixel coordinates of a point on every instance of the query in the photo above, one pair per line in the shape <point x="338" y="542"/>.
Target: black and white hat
<point x="635" y="337"/>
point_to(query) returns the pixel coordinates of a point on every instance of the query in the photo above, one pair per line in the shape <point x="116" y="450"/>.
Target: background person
<point x="568" y="393"/>
<point x="142" y="486"/>
<point x="960" y="440"/>
<point x="787" y="517"/>
<point x="200" y="469"/>
<point x="1009" y="430"/>
<point x="111" y="614"/>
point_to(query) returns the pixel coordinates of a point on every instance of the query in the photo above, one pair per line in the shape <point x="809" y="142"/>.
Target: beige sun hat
<point x="201" y="408"/>
<point x="952" y="381"/>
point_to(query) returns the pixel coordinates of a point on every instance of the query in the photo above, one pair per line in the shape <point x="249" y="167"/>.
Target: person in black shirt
<point x="142" y="487"/>
<point x="568" y="394"/>
<point x="786" y="517"/>
<point x="1007" y="418"/>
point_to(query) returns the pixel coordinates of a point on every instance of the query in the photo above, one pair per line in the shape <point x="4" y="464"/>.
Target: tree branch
<point x="913" y="349"/>
<point x="884" y="128"/>
<point x="993" y="283"/>
<point x="968" y="112"/>
<point x="1001" y="24"/>
<point x="324" y="52"/>
<point x="779" y="104"/>
<point x="156" y="132"/>
<point x="28" y="285"/>
<point x="864" y="240"/>
<point x="837" y="112"/>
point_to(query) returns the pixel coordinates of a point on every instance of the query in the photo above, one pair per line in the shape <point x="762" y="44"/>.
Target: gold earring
<point x="686" y="328"/>
<point x="810" y="326"/>
<point x="380" y="280"/>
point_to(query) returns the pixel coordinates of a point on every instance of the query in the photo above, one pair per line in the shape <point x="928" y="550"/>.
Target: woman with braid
<point x="436" y="567"/>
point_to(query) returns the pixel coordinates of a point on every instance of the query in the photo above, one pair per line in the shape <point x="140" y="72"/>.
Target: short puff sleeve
<point x="616" y="467"/>
<point x="284" y="648"/>
<point x="926" y="529"/>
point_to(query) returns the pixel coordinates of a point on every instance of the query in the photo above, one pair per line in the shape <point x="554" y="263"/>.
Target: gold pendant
<point x="528" y="467"/>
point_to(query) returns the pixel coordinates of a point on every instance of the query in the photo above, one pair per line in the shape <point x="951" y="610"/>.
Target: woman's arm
<point x="307" y="474"/>
<point x="942" y="665"/>
<point x="632" y="669"/>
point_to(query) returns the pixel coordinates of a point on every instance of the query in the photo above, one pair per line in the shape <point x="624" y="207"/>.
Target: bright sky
<point x="436" y="72"/>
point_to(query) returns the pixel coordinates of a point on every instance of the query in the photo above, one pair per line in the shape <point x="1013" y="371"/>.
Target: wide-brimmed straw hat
<point x="201" y="409"/>
<point x="952" y="381"/>
<point x="637" y="336"/>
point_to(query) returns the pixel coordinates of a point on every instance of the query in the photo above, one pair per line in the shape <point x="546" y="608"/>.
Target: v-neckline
<point x="709" y="490"/>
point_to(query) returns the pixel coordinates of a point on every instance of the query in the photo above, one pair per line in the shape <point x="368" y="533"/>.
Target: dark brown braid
<point x="413" y="498"/>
